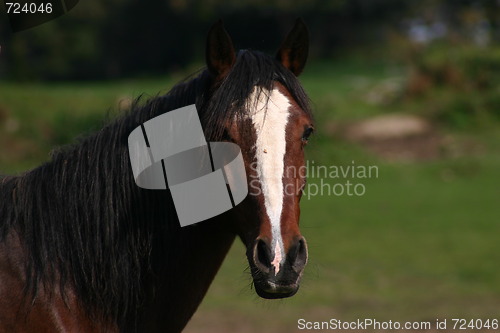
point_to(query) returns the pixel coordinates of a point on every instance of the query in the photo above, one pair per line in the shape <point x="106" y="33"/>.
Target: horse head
<point x="272" y="129"/>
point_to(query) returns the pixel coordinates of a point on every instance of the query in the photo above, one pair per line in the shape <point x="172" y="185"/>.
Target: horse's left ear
<point x="293" y="52"/>
<point x="220" y="55"/>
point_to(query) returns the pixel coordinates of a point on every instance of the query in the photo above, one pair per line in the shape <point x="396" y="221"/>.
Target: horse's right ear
<point x="220" y="55"/>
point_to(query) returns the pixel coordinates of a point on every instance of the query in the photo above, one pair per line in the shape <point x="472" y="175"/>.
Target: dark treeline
<point x="118" y="38"/>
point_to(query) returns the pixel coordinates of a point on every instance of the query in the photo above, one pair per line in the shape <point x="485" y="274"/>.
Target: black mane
<point x="82" y="220"/>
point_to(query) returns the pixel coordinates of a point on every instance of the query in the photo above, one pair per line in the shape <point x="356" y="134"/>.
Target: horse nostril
<point x="262" y="256"/>
<point x="299" y="258"/>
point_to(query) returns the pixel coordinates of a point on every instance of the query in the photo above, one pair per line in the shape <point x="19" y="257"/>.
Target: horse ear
<point x="220" y="55"/>
<point x="293" y="52"/>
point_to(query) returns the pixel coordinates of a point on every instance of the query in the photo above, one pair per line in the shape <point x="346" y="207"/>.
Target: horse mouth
<point x="273" y="290"/>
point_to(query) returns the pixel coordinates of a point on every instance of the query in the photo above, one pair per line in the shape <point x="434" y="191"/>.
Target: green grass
<point x="422" y="243"/>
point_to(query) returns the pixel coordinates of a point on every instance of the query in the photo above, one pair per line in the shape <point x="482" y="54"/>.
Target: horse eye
<point x="307" y="134"/>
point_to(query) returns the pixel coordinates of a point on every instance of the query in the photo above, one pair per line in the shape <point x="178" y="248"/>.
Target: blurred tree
<point x="117" y="38"/>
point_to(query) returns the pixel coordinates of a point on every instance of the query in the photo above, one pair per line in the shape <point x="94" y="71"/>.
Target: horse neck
<point x="186" y="269"/>
<point x="184" y="262"/>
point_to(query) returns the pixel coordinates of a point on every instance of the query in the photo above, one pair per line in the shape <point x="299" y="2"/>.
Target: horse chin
<point x="272" y="290"/>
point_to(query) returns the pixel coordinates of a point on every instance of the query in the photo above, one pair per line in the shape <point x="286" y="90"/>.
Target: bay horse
<point x="84" y="249"/>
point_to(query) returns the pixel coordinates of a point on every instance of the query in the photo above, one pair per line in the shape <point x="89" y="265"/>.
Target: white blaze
<point x="270" y="118"/>
<point x="277" y="258"/>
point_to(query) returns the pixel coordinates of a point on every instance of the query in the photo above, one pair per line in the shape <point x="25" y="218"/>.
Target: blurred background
<point x="412" y="87"/>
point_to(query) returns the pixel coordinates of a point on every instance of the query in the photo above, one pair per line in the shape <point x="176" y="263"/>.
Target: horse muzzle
<point x="274" y="279"/>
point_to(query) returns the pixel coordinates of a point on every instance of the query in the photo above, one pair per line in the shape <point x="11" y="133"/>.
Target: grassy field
<point x="422" y="243"/>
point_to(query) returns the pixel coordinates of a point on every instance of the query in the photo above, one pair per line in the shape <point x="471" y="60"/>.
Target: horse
<point x="84" y="249"/>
